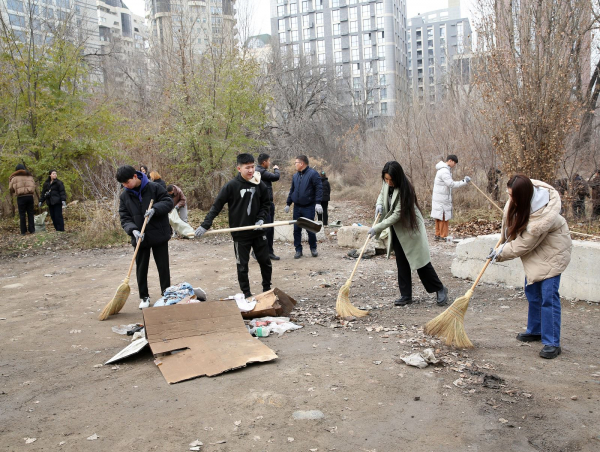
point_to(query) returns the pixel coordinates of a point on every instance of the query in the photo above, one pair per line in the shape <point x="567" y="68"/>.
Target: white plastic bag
<point x="277" y="325"/>
<point x="180" y="226"/>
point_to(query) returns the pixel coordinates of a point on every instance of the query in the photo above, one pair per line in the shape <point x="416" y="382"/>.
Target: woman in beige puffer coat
<point x="537" y="233"/>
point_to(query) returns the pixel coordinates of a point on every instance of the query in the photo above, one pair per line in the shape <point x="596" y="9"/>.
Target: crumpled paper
<point x="421" y="359"/>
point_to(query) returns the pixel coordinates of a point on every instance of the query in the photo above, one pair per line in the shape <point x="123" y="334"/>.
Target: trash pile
<point x="181" y="293"/>
<point x="264" y="326"/>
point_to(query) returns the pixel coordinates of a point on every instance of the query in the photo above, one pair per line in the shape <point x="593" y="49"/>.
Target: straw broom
<point x="343" y="307"/>
<point x="116" y="304"/>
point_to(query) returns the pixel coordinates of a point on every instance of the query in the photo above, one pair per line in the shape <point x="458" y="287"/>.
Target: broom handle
<point x="137" y="246"/>
<point x="485" y="266"/>
<point x="249" y="228"/>
<point x="488" y="198"/>
<point x="363" y="249"/>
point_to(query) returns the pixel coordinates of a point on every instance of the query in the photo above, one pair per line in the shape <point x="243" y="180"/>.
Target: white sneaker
<point x="145" y="303"/>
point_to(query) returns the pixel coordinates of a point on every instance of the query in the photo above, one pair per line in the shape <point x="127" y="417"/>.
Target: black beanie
<point x="20" y="166"/>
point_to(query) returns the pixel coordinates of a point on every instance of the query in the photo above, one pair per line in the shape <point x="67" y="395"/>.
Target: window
<point x="380" y="22"/>
<point x="380" y="37"/>
<point x="367" y="52"/>
<point x="355" y="55"/>
<point x="381" y="51"/>
<point x="336" y="29"/>
<point x="306" y="5"/>
<point x="442" y="31"/>
<point x="293" y="23"/>
<point x="382" y="81"/>
<point x="430" y="32"/>
<point x="366" y="24"/>
<point x="282" y="37"/>
<point x="322" y="59"/>
<point x="382" y="67"/>
<point x="368" y="67"/>
<point x="384" y="109"/>
<point x="352" y="13"/>
<point x="319" y="18"/>
<point x="442" y="60"/>
<point x="16" y="21"/>
<point x="351" y="2"/>
<point x="337" y="57"/>
<point x="281" y="10"/>
<point x="15" y="5"/>
<point x="335" y="16"/>
<point x="418" y="34"/>
<point x="339" y="71"/>
<point x="431" y="62"/>
<point x="293" y="8"/>
<point x="379" y="8"/>
<point x="354" y="41"/>
<point x="366" y="39"/>
<point x="337" y="43"/>
<point x="281" y="24"/>
<point x="335" y="3"/>
<point x="383" y="93"/>
<point x="356" y="84"/>
<point x="320" y="32"/>
<point x="307" y="50"/>
<point x="366" y="11"/>
<point x="430" y="43"/>
<point x="353" y="26"/>
<point x="355" y="68"/>
<point x="295" y="35"/>
<point x="305" y="21"/>
<point x="321" y="46"/>
<point x="318" y="4"/>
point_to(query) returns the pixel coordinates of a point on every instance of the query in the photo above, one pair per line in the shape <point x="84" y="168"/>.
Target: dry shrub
<point x="101" y="226"/>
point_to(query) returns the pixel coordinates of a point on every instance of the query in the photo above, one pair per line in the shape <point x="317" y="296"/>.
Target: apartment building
<point x="360" y="43"/>
<point x="198" y="22"/>
<point x="437" y="42"/>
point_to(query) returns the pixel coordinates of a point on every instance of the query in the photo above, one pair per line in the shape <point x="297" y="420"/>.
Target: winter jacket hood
<point x="132" y="210"/>
<point x="248" y="202"/>
<point x="545" y="245"/>
<point x="441" y="201"/>
<point x="306" y="189"/>
<point x="21" y="183"/>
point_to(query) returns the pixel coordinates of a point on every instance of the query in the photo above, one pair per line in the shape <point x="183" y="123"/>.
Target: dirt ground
<point x="498" y="396"/>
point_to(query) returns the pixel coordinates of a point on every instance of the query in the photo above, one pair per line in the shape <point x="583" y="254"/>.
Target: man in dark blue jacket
<point x="306" y="193"/>
<point x="134" y="201"/>
<point x="264" y="161"/>
<point x="248" y="201"/>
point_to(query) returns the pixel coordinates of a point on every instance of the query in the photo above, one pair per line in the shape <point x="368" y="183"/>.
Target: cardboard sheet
<point x="273" y="303"/>
<point x="209" y="338"/>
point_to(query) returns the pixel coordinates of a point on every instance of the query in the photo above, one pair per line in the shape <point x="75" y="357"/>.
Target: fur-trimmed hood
<point x="20" y="172"/>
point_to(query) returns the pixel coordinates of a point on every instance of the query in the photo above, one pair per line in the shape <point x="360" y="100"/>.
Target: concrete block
<point x="579" y="280"/>
<point x="286" y="234"/>
<point x="355" y="236"/>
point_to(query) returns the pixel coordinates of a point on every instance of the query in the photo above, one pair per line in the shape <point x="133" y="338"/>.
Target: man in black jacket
<point x="248" y="201"/>
<point x="324" y="217"/>
<point x="135" y="199"/>
<point x="264" y="161"/>
<point x="306" y="193"/>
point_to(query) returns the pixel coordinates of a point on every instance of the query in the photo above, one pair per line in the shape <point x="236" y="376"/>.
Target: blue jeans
<point x="306" y="212"/>
<point x="544" y="310"/>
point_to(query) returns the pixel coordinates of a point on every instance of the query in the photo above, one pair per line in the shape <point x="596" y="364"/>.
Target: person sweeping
<point x="403" y="222"/>
<point x="536" y="232"/>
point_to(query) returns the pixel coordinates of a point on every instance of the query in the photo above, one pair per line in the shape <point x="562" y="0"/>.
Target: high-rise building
<point x="198" y="22"/>
<point x="123" y="40"/>
<point x="42" y="16"/>
<point x="436" y="42"/>
<point x="360" y="42"/>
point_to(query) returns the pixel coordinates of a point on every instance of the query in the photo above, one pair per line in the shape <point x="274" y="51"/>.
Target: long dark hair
<point x="408" y="197"/>
<point x="520" y="205"/>
<point x="49" y="180"/>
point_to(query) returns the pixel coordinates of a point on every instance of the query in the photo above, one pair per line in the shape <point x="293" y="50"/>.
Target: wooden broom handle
<point x="137" y="246"/>
<point x="485" y="266"/>
<point x="363" y="249"/>
<point x="488" y="198"/>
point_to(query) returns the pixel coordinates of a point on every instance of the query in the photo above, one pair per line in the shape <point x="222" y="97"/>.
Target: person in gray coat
<point x="441" y="202"/>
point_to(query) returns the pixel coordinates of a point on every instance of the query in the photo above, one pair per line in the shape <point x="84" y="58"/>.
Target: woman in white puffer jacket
<point x="441" y="202"/>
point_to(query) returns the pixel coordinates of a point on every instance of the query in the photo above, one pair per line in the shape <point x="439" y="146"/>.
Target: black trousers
<point x="57" y="216"/>
<point x="270" y="231"/>
<point x="324" y="217"/>
<point x="242" y="256"/>
<point x="25" y="205"/>
<point x="427" y="274"/>
<point x="142" y="261"/>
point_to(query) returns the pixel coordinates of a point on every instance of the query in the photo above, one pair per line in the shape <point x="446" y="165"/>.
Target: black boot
<point x="403" y="300"/>
<point x="442" y="296"/>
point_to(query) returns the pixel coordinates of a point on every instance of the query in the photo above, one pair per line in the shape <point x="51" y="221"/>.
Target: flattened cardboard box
<point x="273" y="303"/>
<point x="210" y="338"/>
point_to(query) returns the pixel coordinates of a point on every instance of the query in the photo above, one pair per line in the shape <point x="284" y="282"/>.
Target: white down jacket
<point x="441" y="202"/>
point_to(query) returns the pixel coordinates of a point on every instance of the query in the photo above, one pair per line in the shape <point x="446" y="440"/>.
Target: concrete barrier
<point x="286" y="234"/>
<point x="355" y="236"/>
<point x="580" y="280"/>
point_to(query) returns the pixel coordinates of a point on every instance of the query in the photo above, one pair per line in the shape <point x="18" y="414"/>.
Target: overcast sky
<point x="261" y="10"/>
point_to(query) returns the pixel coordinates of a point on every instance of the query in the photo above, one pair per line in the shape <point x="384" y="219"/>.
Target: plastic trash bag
<point x="180" y="226"/>
<point x="421" y="359"/>
<point x="40" y="222"/>
<point x="277" y="325"/>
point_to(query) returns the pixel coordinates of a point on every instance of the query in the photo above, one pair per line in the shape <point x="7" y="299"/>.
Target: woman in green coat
<point x="401" y="221"/>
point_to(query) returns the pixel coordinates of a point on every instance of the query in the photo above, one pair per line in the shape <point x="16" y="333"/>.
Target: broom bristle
<point x="343" y="307"/>
<point x="118" y="301"/>
<point x="450" y="324"/>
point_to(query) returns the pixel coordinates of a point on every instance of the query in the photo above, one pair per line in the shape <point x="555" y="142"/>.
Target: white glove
<point x="494" y="253"/>
<point x="177" y="208"/>
<point x="259" y="223"/>
<point x="378" y="209"/>
<point x="319" y="209"/>
<point x="287" y="209"/>
<point x="64" y="204"/>
<point x="199" y="232"/>
<point x="467" y="179"/>
<point x="150" y="214"/>
<point x="371" y="233"/>
<point x="138" y="236"/>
